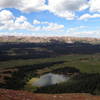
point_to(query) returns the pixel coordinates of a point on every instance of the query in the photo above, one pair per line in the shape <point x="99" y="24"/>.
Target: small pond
<point x="50" y="79"/>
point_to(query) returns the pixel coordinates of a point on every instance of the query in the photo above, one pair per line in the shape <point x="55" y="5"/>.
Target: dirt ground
<point x="24" y="95"/>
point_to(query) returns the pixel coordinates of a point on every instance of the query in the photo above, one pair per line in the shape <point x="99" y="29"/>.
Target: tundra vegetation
<point x="20" y="62"/>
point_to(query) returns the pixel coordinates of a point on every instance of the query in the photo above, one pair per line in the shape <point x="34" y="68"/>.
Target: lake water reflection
<point x="50" y="79"/>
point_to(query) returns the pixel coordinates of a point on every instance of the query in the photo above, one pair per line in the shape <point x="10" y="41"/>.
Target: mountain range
<point x="33" y="39"/>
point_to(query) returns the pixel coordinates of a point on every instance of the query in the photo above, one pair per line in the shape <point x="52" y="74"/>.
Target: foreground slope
<point x="24" y="95"/>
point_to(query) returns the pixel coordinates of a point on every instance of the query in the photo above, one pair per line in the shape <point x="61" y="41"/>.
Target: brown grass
<point x="24" y="95"/>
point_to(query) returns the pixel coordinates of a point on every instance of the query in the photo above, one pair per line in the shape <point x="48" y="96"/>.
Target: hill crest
<point x="33" y="39"/>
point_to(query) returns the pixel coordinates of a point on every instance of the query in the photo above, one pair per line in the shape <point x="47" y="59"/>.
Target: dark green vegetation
<point x="19" y="62"/>
<point x="83" y="83"/>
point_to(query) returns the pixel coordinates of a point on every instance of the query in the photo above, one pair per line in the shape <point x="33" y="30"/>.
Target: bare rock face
<point x="50" y="79"/>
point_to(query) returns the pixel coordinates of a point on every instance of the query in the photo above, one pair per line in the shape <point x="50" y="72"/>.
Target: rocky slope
<point x="24" y="95"/>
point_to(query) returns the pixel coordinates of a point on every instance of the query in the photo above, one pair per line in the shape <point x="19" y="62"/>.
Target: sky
<point x="79" y="18"/>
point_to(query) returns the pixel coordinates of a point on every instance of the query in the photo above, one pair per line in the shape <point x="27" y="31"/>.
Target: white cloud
<point x="32" y="5"/>
<point x="67" y="8"/>
<point x="9" y="22"/>
<point x="6" y="19"/>
<point x="22" y="23"/>
<point x="94" y="5"/>
<point x="53" y="27"/>
<point x="75" y="29"/>
<point x="61" y="8"/>
<point x="48" y="26"/>
<point x="87" y="16"/>
<point x="21" y="19"/>
<point x="24" y="5"/>
<point x="6" y="15"/>
<point x="36" y="22"/>
<point x="82" y="31"/>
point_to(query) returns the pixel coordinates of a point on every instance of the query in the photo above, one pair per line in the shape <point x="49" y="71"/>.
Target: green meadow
<point x="85" y="63"/>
